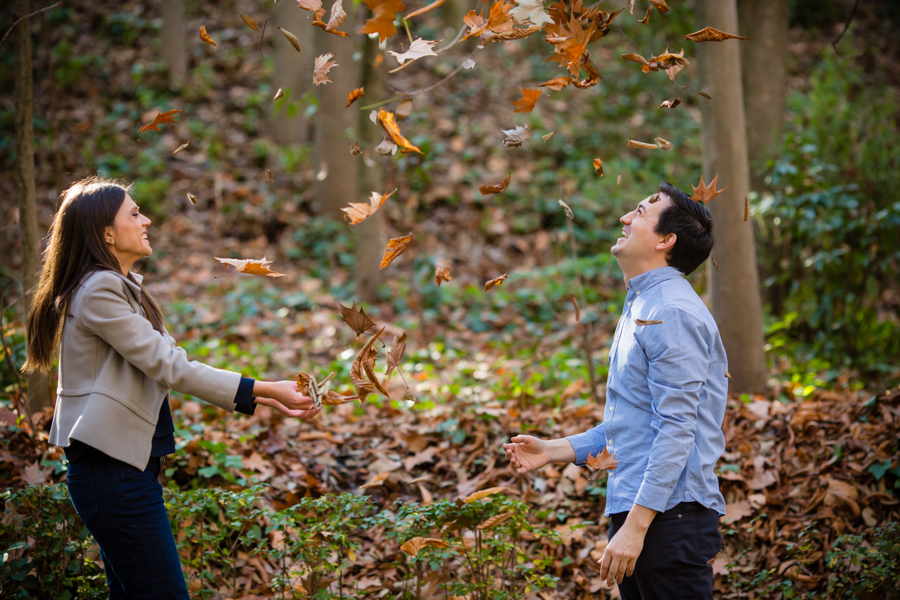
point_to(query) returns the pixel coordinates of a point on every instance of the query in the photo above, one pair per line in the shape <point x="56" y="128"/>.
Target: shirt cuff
<point x="590" y="442"/>
<point x="653" y="496"/>
<point x="243" y="400"/>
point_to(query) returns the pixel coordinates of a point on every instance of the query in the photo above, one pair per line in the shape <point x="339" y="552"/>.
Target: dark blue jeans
<point x="673" y="564"/>
<point x="123" y="509"/>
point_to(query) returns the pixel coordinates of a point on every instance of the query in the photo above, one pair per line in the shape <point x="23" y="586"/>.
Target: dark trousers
<point x="123" y="509"/>
<point x="673" y="563"/>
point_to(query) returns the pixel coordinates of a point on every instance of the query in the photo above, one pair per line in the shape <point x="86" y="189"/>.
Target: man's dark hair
<point x="691" y="223"/>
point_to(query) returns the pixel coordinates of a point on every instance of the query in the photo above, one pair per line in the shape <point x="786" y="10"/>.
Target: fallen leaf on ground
<point x="387" y="122"/>
<point x="598" y="166"/>
<point x="205" y="37"/>
<point x="736" y="511"/>
<point x="355" y="95"/>
<point x="494" y="188"/>
<point x="416" y="50"/>
<point x="180" y="148"/>
<point x="569" y="214"/>
<point x="250" y="22"/>
<point x="383" y="21"/>
<point x="356" y="318"/>
<point x="495" y="281"/>
<point x="483" y="494"/>
<point x="708" y="34"/>
<point x="251" y="266"/>
<point x="323" y="65"/>
<point x="161" y="119"/>
<point x="602" y="461"/>
<point x="34" y="475"/>
<point x="665" y="144"/>
<point x="704" y="193"/>
<point x="526" y="103"/>
<point x="442" y="276"/>
<point x="357" y="212"/>
<point x="495" y="521"/>
<point x="516" y="137"/>
<point x="670" y="103"/>
<point x="375" y="481"/>
<point x="413" y="546"/>
<point x="644" y="145"/>
<point x="395" y="248"/>
<point x="642" y="322"/>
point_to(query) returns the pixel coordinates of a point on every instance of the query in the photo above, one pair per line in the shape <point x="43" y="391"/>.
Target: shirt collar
<point x="134" y="285"/>
<point x="652" y="277"/>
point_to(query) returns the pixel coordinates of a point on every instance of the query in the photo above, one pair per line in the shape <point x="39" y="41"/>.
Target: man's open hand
<point x="527" y="453"/>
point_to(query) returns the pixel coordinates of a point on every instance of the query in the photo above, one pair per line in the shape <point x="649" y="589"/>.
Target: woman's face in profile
<point x="128" y="235"/>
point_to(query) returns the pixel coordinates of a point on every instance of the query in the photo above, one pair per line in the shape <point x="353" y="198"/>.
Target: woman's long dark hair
<point x="76" y="249"/>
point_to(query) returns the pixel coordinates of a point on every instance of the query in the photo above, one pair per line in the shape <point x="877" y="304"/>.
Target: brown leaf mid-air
<point x="355" y="95"/>
<point x="546" y="137"/>
<point x="337" y="17"/>
<point x="291" y="38"/>
<point x="356" y="318"/>
<point x="496" y="281"/>
<point x="192" y="198"/>
<point x="664" y="144"/>
<point x="395" y="247"/>
<point x="362" y="366"/>
<point x="279" y="94"/>
<point x="637" y="58"/>
<point x="602" y="461"/>
<point x="708" y="34"/>
<point x="358" y="212"/>
<point x="494" y="188"/>
<point x="644" y="145"/>
<point x="322" y="394"/>
<point x="250" y="22"/>
<point x="670" y="103"/>
<point x="642" y="322"/>
<point x="323" y="65"/>
<point x="180" y="148"/>
<point x="618" y="180"/>
<point x="418" y="49"/>
<point x="270" y="176"/>
<point x="575" y="304"/>
<point x="404" y="109"/>
<point x="395" y="355"/>
<point x="387" y="122"/>
<point x="526" y="103"/>
<point x="569" y="214"/>
<point x="315" y="6"/>
<point x="746" y="209"/>
<point x="483" y="494"/>
<point x="705" y="95"/>
<point x="660" y="5"/>
<point x="516" y="137"/>
<point x="355" y="150"/>
<point x="598" y="166"/>
<point x="442" y="276"/>
<point x="251" y="266"/>
<point x="704" y="193"/>
<point x="383" y="21"/>
<point x="557" y="83"/>
<point x="205" y="37"/>
<point x="161" y="119"/>
<point x="413" y="546"/>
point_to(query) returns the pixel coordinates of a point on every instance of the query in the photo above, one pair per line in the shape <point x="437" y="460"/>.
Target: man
<point x="665" y="402"/>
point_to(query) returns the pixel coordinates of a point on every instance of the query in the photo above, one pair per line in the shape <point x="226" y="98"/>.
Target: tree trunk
<point x="293" y="72"/>
<point x="173" y="42"/>
<point x="38" y="387"/>
<point x="370" y="233"/>
<point x="336" y="126"/>
<point x="734" y="286"/>
<point x="764" y="74"/>
<point x="53" y="120"/>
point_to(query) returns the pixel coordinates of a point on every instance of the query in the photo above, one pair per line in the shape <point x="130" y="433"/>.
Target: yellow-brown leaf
<point x="161" y="119"/>
<point x="496" y="281"/>
<point x="704" y="193"/>
<point x="387" y="122"/>
<point x="415" y="545"/>
<point x="205" y="37"/>
<point x="395" y="247"/>
<point x="483" y="494"/>
<point x="357" y="212"/>
<point x="250" y="266"/>
<point x="602" y="461"/>
<point x="442" y="275"/>
<point x="598" y="166"/>
<point x="494" y="188"/>
<point x="250" y="22"/>
<point x="355" y="95"/>
<point x="383" y="21"/>
<point x="356" y="318"/>
<point x="708" y="34"/>
<point x="526" y="103"/>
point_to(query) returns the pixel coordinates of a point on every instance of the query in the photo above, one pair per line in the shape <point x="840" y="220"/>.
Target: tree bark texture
<point x="293" y="71"/>
<point x="734" y="287"/>
<point x="370" y="234"/>
<point x="336" y="126"/>
<point x="764" y="77"/>
<point x="173" y="42"/>
<point x="38" y="388"/>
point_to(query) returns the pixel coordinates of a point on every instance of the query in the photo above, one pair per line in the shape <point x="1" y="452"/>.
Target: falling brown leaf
<point x="495" y="281"/>
<point x="569" y="214"/>
<point x="395" y="355"/>
<point x="418" y="49"/>
<point x="355" y="150"/>
<point x="557" y="83"/>
<point x="705" y="95"/>
<point x="442" y="276"/>
<point x="708" y="34"/>
<point x="395" y="248"/>
<point x="357" y="212"/>
<point x="323" y="65"/>
<point x="413" y="546"/>
<point x="746" y="209"/>
<point x="544" y="138"/>
<point x="375" y="481"/>
<point x="495" y="521"/>
<point x="356" y="318"/>
<point x="363" y="364"/>
<point x="251" y="266"/>
<point x="670" y="103"/>
<point x="383" y="21"/>
<point x="598" y="166"/>
<point x="646" y="19"/>
<point x="727" y="374"/>
<point x="180" y="148"/>
<point x="205" y="37"/>
<point x="161" y="119"/>
<point x="494" y="188"/>
<point x="386" y="147"/>
<point x="315" y="6"/>
<point x="355" y="95"/>
<point x="664" y="144"/>
<point x="192" y="198"/>
<point x="483" y="494"/>
<point x="336" y="19"/>
<point x="660" y="5"/>
<point x="279" y="94"/>
<point x="642" y="322"/>
<point x="618" y="180"/>
<point x="577" y="309"/>
<point x="602" y="462"/>
<point x="715" y="264"/>
<point x="644" y="145"/>
<point x="329" y="397"/>
<point x="526" y="103"/>
<point x="387" y="122"/>
<point x="270" y="176"/>
<point x="516" y="137"/>
<point x="250" y="22"/>
<point x="704" y="193"/>
<point x="404" y="109"/>
<point x="635" y="58"/>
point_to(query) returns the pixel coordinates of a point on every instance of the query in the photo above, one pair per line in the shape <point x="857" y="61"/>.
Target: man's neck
<point x="632" y="271"/>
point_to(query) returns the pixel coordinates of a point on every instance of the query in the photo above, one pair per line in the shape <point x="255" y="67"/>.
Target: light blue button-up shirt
<point x="665" y="400"/>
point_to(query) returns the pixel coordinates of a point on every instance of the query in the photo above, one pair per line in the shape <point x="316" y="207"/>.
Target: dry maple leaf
<point x="496" y="520"/>
<point x="498" y="21"/>
<point x="569" y="214"/>
<point x="180" y="148"/>
<point x="251" y="266"/>
<point x="557" y="83"/>
<point x="395" y="355"/>
<point x="598" y="166"/>
<point x="413" y="546"/>
<point x="664" y="144"/>
<point x="603" y="461"/>
<point x="704" y="193"/>
<point x="442" y="275"/>
<point x="494" y="188"/>
<point x="337" y="17"/>
<point x="577" y="309"/>
<point x="357" y="212"/>
<point x="496" y="281"/>
<point x="362" y="364"/>
<point x="395" y="247"/>
<point x="483" y="494"/>
<point x="670" y="103"/>
<point x="291" y="38"/>
<point x="327" y="397"/>
<point x="356" y="318"/>
<point x="323" y="65"/>
<point x="516" y="137"/>
<point x="644" y="145"/>
<point x="526" y="103"/>
<point x="383" y="21"/>
<point x="530" y="11"/>
<point x="642" y="322"/>
<point x="355" y="95"/>
<point x="387" y="122"/>
<point x="404" y="109"/>
<point x="708" y="34"/>
<point x="250" y="22"/>
<point x="315" y="6"/>
<point x="161" y="119"/>
<point x="416" y="50"/>
<point x="355" y="150"/>
<point x="637" y="58"/>
<point x="205" y="37"/>
<point x="375" y="481"/>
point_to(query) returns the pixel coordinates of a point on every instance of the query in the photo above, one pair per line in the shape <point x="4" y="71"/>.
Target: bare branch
<point x="25" y="17"/>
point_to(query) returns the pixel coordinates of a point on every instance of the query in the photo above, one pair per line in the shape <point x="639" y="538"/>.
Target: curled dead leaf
<point x="270" y="176"/>
<point x="670" y="103"/>
<point x="278" y="94"/>
<point x="251" y="266"/>
<point x="577" y="309"/>
<point x="358" y="378"/>
<point x="598" y="166"/>
<point x="746" y="209"/>
<point x="442" y="276"/>
<point x="205" y="37"/>
<point x="389" y="124"/>
<point x="705" y="95"/>
<point x="386" y="147"/>
<point x="644" y="145"/>
<point x="250" y="22"/>
<point x="544" y="138"/>
<point x="495" y="521"/>
<point x="483" y="494"/>
<point x="357" y="212"/>
<point x="395" y="355"/>
<point x="395" y="247"/>
<point x="355" y="95"/>
<point x="496" y="281"/>
<point x="664" y="144"/>
<point x="355" y="150"/>
<point x="569" y="214"/>
<point x="192" y="198"/>
<point x="708" y="34"/>
<point x="415" y="545"/>
<point x="356" y="318"/>
<point x="180" y="148"/>
<point x="618" y="180"/>
<point x="516" y="137"/>
<point x="495" y="188"/>
<point x="642" y="322"/>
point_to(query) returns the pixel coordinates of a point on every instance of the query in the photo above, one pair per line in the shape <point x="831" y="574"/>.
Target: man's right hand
<point x="527" y="453"/>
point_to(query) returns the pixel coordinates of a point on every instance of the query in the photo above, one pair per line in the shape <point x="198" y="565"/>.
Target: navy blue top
<point x="164" y="436"/>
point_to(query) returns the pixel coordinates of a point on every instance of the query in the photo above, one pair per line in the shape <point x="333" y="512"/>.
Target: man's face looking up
<point x="639" y="240"/>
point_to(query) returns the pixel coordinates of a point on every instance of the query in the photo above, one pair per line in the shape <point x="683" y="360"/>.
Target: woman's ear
<point x="667" y="243"/>
<point x="109" y="235"/>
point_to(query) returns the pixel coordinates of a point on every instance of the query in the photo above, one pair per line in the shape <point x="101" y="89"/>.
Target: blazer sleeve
<point x="106" y="312"/>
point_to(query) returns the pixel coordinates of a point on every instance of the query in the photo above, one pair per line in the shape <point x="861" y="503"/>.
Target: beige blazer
<point x="115" y="371"/>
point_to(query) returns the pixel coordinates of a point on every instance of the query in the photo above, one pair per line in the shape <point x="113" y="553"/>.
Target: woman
<point x="116" y="365"/>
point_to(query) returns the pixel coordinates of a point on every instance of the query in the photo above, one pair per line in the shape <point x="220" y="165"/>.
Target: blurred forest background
<point x="806" y="292"/>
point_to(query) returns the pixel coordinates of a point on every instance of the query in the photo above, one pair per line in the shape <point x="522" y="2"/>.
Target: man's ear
<point x="667" y="243"/>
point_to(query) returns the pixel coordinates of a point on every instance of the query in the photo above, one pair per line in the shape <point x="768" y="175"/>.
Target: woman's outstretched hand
<point x="285" y="397"/>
